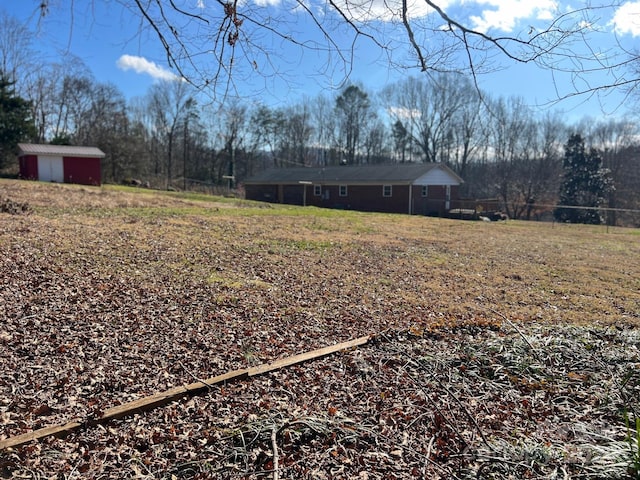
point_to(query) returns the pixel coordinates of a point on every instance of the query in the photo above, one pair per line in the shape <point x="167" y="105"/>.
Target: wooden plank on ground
<point x="304" y="357"/>
<point x="51" y="431"/>
<point x="163" y="398"/>
<point x="168" y="396"/>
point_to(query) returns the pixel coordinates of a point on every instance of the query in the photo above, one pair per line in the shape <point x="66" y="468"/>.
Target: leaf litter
<point x="490" y="360"/>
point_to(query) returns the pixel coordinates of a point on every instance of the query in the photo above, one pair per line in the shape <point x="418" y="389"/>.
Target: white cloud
<point x="505" y="14"/>
<point x="383" y="10"/>
<point x="402" y="113"/>
<point x="142" y="65"/>
<point x="267" y="3"/>
<point x="483" y="14"/>
<point x="627" y="19"/>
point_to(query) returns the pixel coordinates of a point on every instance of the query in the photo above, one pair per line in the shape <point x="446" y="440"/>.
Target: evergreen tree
<point x="400" y="139"/>
<point x="584" y="184"/>
<point x="16" y="124"/>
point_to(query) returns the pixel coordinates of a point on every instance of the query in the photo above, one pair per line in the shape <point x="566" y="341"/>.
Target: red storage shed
<point x="60" y="163"/>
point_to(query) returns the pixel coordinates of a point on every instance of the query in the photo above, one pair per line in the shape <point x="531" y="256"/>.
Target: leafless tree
<point x="353" y="112"/>
<point x="429" y="107"/>
<point x="17" y="56"/>
<point x="267" y="128"/>
<point x="324" y="129"/>
<point x="34" y="79"/>
<point x="537" y="173"/>
<point x="233" y="133"/>
<point x="41" y="91"/>
<point x="73" y="99"/>
<point x="169" y="101"/>
<point x="299" y="131"/>
<point x="511" y="132"/>
<point x="375" y="142"/>
<point x="614" y="139"/>
<point x="105" y="124"/>
<point x="468" y="128"/>
<point x="59" y="93"/>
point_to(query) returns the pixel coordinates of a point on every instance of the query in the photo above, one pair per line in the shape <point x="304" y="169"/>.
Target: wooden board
<point x="304" y="357"/>
<point x="162" y="398"/>
<point x="168" y="396"/>
<point x="54" y="430"/>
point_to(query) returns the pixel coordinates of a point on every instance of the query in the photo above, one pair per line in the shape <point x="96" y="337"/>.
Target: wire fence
<point x="160" y="182"/>
<point x="468" y="208"/>
<point x="623" y="217"/>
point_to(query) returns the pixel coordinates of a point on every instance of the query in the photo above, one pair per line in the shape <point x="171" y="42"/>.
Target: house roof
<point x="60" y="150"/>
<point x="398" y="173"/>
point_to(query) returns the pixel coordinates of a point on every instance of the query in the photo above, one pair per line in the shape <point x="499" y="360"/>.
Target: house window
<point x="342" y="190"/>
<point x="387" y="190"/>
<point x="317" y="190"/>
<point x="425" y="191"/>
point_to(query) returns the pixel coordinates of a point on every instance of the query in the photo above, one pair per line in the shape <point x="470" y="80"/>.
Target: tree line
<point x="502" y="148"/>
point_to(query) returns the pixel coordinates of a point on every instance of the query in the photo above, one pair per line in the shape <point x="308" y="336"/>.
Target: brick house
<point x="418" y="189"/>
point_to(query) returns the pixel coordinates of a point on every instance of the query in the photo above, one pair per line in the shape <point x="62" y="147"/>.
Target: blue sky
<point x="110" y="41"/>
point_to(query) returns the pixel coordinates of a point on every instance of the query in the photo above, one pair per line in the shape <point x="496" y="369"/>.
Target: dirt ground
<point x="499" y="350"/>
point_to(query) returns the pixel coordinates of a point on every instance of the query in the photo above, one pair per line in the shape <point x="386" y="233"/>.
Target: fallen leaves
<point x="108" y="297"/>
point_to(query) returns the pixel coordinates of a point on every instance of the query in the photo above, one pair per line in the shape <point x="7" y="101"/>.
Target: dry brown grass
<point x="529" y="271"/>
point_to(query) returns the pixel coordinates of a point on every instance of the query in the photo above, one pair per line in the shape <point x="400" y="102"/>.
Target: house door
<point x="50" y="169"/>
<point x="447" y="197"/>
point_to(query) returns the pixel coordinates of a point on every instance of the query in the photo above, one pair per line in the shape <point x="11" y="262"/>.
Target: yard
<point x="496" y="350"/>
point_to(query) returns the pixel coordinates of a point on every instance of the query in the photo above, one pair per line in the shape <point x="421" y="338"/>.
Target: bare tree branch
<point x="235" y="41"/>
<point x="412" y="40"/>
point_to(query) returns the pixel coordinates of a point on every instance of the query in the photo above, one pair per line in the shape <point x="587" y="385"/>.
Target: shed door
<point x="50" y="169"/>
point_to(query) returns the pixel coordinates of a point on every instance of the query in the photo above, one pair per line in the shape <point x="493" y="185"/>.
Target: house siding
<point x="367" y="198"/>
<point x="436" y="176"/>
<point x="364" y="188"/>
<point x="435" y="203"/>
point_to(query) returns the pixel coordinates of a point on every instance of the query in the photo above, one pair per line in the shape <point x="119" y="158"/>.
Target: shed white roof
<point x="60" y="150"/>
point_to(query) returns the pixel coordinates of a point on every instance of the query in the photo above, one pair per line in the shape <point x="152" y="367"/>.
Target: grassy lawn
<point x="502" y="350"/>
